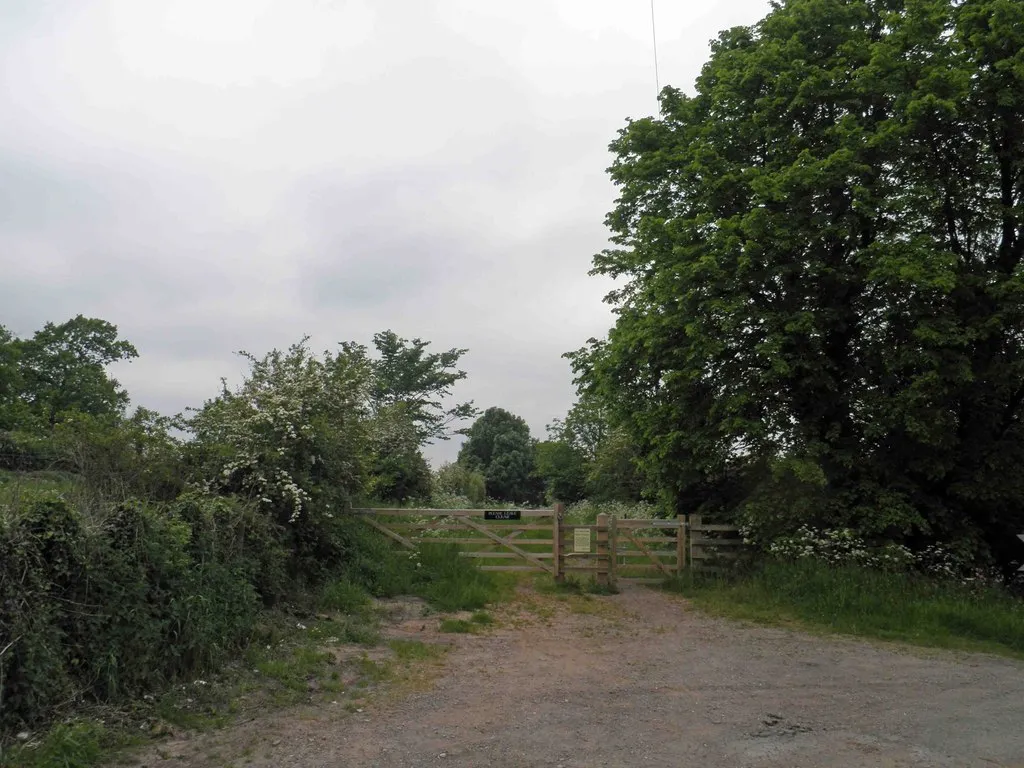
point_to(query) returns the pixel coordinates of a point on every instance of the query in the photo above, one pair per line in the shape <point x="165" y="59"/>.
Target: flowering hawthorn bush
<point x="293" y="436"/>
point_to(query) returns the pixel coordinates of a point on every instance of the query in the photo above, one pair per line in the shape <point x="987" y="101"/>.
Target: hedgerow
<point x="101" y="609"/>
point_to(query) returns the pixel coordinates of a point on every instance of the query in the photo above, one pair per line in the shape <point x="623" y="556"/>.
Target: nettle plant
<point x="293" y="436"/>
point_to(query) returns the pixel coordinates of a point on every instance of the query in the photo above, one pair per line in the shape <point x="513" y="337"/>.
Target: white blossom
<point x="265" y="427"/>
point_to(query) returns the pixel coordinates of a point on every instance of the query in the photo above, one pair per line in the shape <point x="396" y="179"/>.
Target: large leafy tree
<point x="613" y="474"/>
<point x="820" y="260"/>
<point x="499" y="445"/>
<point x="405" y="374"/>
<point x="563" y="469"/>
<point x="587" y="455"/>
<point x="398" y="471"/>
<point x="585" y="427"/>
<point x="63" y="369"/>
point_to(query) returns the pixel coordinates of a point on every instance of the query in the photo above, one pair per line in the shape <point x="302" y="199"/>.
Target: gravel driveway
<point x="641" y="679"/>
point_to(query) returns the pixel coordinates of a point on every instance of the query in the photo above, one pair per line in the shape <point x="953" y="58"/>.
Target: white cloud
<point x="221" y="174"/>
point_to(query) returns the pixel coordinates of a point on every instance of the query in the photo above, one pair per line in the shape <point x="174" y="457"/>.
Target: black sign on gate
<point x="502" y="514"/>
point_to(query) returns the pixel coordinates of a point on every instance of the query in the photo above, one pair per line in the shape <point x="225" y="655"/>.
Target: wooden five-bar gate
<point x="542" y="540"/>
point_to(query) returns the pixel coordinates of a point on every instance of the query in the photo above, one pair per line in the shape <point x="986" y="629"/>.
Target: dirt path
<point x="639" y="679"/>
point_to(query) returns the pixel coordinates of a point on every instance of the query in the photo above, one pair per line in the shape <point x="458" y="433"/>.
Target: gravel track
<point x="641" y="679"/>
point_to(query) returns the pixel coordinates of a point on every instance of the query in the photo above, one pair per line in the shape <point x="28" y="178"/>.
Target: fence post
<point x="613" y="550"/>
<point x="696" y="551"/>
<point x="602" y="549"/>
<point x="556" y="542"/>
<point x="680" y="544"/>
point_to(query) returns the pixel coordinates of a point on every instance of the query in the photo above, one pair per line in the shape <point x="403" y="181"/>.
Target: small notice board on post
<point x="581" y="540"/>
<point x="502" y="514"/>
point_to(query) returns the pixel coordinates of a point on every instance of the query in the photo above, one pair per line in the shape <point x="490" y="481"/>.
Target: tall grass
<point x="454" y="583"/>
<point x="871" y="603"/>
<point x="434" y="571"/>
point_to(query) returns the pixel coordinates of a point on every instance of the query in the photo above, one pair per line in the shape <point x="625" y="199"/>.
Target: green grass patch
<point x="435" y="571"/>
<point x="371" y="671"/>
<point x="295" y="669"/>
<point x="457" y="626"/>
<point x="75" y="745"/>
<point x="867" y="603"/>
<point x="415" y="650"/>
<point x="345" y="596"/>
<point x="360" y="632"/>
<point x="454" y="583"/>
<point x="474" y="623"/>
<point x="570" y="585"/>
<point x="13" y="483"/>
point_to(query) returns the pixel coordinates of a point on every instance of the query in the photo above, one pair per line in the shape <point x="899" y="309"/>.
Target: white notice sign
<point x="581" y="540"/>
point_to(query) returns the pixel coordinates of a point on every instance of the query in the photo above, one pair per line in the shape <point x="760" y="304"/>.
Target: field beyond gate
<point x="541" y="540"/>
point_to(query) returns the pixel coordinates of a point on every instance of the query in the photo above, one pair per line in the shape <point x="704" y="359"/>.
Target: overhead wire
<point x="654" y="39"/>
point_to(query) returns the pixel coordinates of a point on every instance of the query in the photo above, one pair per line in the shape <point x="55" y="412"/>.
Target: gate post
<point x="602" y="549"/>
<point x="556" y="542"/>
<point x="680" y="544"/>
<point x="613" y="550"/>
<point x="696" y="552"/>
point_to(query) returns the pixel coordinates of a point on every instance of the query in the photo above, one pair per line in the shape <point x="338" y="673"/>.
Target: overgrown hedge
<point x="111" y="608"/>
<point x="104" y="610"/>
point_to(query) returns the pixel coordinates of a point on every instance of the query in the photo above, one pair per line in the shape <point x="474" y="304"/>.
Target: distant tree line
<point x="581" y="458"/>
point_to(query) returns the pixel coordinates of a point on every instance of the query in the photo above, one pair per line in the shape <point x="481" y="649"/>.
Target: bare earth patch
<point x="640" y="679"/>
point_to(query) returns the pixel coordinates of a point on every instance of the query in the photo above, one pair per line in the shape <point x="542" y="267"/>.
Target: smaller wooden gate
<point x="646" y="551"/>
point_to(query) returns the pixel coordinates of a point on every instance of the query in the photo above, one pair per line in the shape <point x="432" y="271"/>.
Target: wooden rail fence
<point x="541" y="540"/>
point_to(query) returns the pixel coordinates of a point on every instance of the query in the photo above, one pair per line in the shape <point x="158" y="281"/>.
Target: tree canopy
<point x="398" y="471"/>
<point x="405" y="374"/>
<point x="60" y="370"/>
<point x="819" y="255"/>
<point x="587" y="456"/>
<point x="563" y="469"/>
<point x="10" y="388"/>
<point x="499" y="446"/>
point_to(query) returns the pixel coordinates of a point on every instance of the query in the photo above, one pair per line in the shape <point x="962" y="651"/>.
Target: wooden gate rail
<point x="486" y="534"/>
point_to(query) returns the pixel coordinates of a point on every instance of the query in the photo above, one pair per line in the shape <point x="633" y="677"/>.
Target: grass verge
<point x="867" y="603"/>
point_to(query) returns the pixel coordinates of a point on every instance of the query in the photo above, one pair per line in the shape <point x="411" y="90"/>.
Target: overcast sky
<point x="215" y="175"/>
